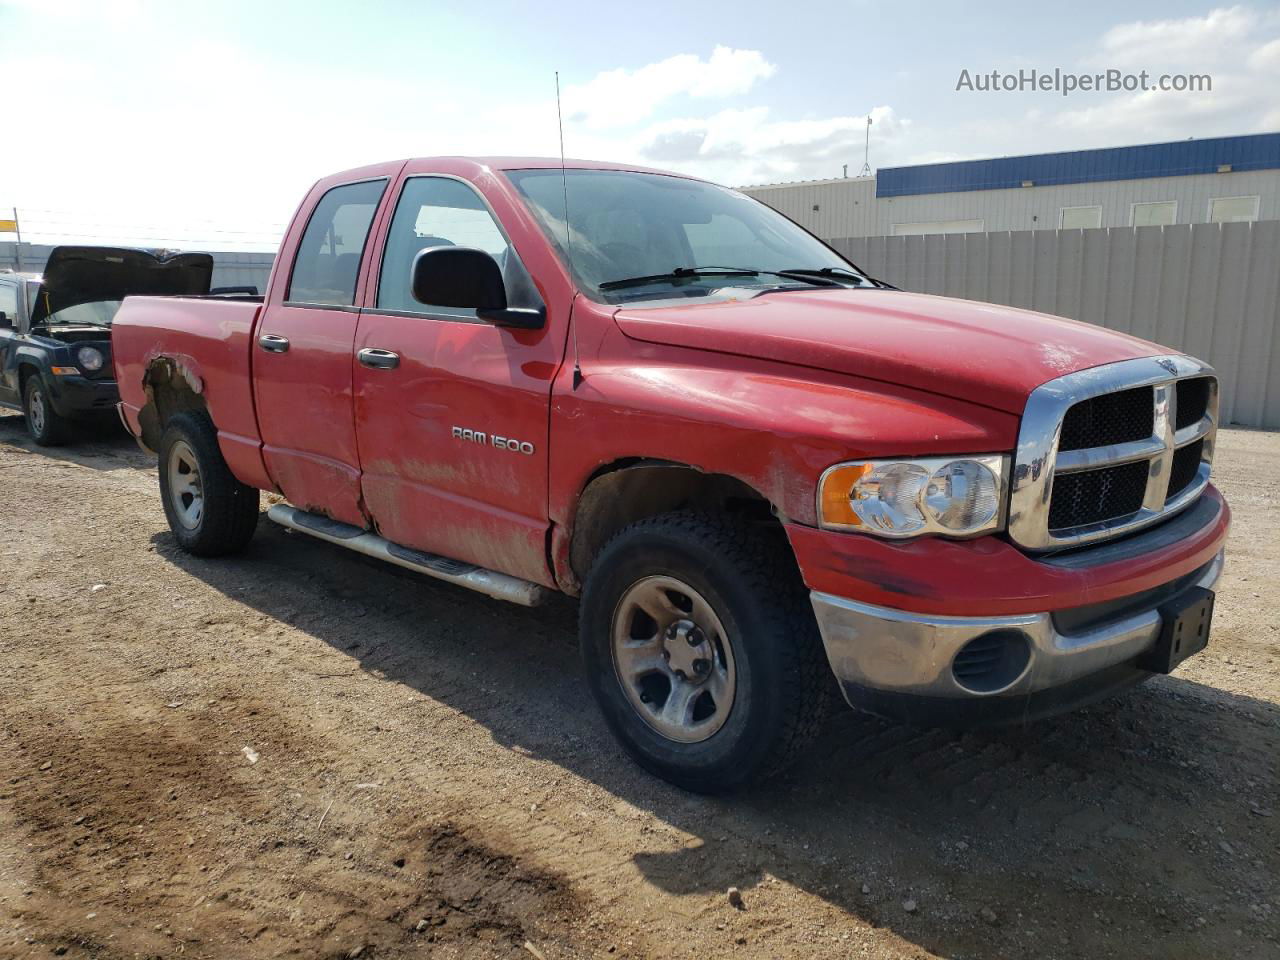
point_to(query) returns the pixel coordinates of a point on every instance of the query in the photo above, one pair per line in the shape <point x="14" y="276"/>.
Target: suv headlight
<point x="89" y="358"/>
<point x="950" y="496"/>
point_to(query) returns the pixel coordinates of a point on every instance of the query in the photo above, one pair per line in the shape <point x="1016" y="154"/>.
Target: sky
<point x="184" y="124"/>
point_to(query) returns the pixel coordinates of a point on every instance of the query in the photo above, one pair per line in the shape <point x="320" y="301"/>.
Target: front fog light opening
<point x="992" y="662"/>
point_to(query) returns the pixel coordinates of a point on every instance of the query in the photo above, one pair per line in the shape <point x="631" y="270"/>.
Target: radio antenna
<point x="568" y="235"/>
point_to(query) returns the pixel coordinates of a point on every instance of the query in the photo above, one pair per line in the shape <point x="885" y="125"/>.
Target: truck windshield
<point x="650" y="236"/>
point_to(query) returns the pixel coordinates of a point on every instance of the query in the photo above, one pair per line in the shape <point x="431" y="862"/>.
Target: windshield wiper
<point x="679" y="273"/>
<point x="688" y="273"/>
<point x="840" y="273"/>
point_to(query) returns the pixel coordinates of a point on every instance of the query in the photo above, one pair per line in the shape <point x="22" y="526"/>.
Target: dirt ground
<point x="303" y="753"/>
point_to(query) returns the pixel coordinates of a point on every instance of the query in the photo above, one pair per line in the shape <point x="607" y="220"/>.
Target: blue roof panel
<point x="1260" y="151"/>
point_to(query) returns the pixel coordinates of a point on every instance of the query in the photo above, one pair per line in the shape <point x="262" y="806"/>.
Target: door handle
<point x="273" y="344"/>
<point x="378" y="359"/>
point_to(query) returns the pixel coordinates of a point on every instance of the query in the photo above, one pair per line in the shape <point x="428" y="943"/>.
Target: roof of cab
<point x="480" y="164"/>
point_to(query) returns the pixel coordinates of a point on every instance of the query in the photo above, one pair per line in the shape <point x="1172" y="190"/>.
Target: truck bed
<point x="209" y="341"/>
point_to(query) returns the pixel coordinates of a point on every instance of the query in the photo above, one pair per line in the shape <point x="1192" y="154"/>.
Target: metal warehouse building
<point x="1219" y="180"/>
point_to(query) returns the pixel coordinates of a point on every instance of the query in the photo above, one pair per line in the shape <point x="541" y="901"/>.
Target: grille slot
<point x="1100" y="421"/>
<point x="1193" y="401"/>
<point x="1186" y="464"/>
<point x="1097" y="495"/>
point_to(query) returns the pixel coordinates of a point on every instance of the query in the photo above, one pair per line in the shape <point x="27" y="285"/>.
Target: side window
<point x="328" y="259"/>
<point x="437" y="212"/>
<point x="9" y="303"/>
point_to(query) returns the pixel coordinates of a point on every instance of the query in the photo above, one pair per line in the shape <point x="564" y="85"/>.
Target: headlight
<point x="951" y="496"/>
<point x="89" y="358"/>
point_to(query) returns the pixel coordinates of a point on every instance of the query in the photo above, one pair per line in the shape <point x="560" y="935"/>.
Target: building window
<point x="938" y="226"/>
<point x="1233" y="210"/>
<point x="1162" y="213"/>
<point x="1080" y="218"/>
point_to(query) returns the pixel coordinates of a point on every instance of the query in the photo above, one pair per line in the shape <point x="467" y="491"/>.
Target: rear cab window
<point x="327" y="264"/>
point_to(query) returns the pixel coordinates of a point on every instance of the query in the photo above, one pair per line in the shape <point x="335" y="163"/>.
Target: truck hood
<point x="977" y="352"/>
<point x="75" y="275"/>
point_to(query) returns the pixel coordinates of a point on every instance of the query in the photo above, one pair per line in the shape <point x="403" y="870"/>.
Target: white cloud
<point x="1158" y="44"/>
<point x="1239" y="48"/>
<point x="1266" y="59"/>
<point x="747" y="146"/>
<point x="618" y="98"/>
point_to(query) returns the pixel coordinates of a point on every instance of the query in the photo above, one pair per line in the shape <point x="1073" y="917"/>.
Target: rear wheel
<point x="46" y="426"/>
<point x="210" y="512"/>
<point x="702" y="651"/>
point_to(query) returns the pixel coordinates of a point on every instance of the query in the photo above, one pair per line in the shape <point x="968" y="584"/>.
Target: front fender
<point x="774" y="427"/>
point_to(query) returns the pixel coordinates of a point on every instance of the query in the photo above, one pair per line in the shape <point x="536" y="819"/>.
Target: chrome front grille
<point x="1112" y="449"/>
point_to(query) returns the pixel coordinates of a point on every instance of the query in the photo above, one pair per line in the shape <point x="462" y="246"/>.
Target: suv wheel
<point x="44" y="423"/>
<point x="210" y="512"/>
<point x="702" y="650"/>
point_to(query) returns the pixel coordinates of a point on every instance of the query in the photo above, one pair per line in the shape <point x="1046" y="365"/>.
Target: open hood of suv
<point x="75" y="275"/>
<point x="979" y="352"/>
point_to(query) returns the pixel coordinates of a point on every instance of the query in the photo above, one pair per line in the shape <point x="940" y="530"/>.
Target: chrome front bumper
<point x="900" y="654"/>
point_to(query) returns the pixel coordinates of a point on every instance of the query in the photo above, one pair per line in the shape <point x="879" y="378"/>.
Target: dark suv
<point x="55" y="330"/>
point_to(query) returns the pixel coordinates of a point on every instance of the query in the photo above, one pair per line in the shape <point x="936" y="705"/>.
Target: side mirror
<point x="466" y="278"/>
<point x="5" y="322"/>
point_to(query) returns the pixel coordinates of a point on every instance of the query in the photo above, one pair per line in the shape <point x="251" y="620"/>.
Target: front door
<point x="453" y="436"/>
<point x="302" y="354"/>
<point x="9" y="294"/>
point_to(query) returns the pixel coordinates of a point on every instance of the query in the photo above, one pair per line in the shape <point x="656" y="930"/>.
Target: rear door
<point x="453" y="437"/>
<point x="302" y="351"/>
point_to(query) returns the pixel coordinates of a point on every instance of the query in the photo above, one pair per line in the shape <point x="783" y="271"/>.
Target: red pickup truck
<point x="756" y="465"/>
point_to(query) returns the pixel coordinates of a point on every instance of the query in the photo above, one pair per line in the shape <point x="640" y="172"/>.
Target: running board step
<point x="489" y="582"/>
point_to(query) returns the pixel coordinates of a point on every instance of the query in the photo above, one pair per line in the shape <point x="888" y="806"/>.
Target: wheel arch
<point x="624" y="491"/>
<point x="170" y="388"/>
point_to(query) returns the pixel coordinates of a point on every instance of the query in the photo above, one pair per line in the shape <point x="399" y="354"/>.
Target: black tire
<point x="45" y="425"/>
<point x="783" y="691"/>
<point x="228" y="512"/>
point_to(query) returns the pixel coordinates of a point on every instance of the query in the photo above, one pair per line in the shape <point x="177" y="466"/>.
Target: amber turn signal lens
<point x="65" y="371"/>
<point x="837" y="485"/>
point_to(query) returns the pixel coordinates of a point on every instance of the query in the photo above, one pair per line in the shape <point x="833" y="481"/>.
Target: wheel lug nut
<point x="701" y="666"/>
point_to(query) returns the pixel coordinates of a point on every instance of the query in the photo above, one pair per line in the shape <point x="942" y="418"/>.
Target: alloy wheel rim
<point x="36" y="413"/>
<point x="673" y="659"/>
<point x="186" y="492"/>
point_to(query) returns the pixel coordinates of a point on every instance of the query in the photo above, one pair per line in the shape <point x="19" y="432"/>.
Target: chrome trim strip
<point x="1037" y="460"/>
<point x="881" y="648"/>
<point x="1191" y="434"/>
<point x="1073" y="461"/>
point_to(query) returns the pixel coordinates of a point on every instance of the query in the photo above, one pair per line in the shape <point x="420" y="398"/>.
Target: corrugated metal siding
<point x="848" y="208"/>
<point x="1183" y="158"/>
<point x="845" y="208"/>
<point x="1210" y="290"/>
<point x="230" y="269"/>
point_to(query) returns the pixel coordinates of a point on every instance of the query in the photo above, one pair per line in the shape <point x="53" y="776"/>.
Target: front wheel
<point x="47" y="427"/>
<point x="210" y="512"/>
<point x="702" y="651"/>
